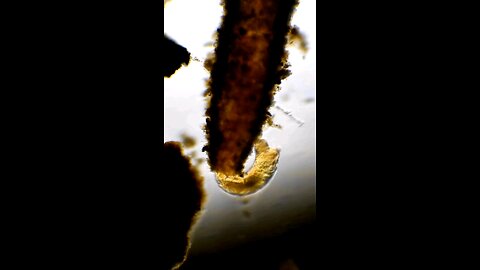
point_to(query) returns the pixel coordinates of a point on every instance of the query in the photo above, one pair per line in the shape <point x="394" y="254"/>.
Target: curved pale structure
<point x="264" y="167"/>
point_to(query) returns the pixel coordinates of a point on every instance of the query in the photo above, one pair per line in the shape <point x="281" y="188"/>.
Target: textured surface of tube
<point x="250" y="60"/>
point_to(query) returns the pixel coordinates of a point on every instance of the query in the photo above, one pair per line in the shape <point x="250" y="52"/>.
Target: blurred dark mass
<point x="186" y="184"/>
<point x="173" y="56"/>
<point x="292" y="250"/>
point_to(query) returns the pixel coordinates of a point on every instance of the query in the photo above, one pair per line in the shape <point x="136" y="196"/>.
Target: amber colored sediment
<point x="257" y="177"/>
<point x="250" y="59"/>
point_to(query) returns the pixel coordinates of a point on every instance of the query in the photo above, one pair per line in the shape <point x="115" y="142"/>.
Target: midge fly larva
<point x="263" y="168"/>
<point x="249" y="62"/>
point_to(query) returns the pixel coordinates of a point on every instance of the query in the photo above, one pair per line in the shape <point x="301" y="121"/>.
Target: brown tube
<point x="250" y="59"/>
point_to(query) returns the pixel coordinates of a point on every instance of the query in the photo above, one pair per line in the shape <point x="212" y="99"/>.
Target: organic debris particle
<point x="296" y="37"/>
<point x="246" y="213"/>
<point x="199" y="161"/>
<point x="309" y="100"/>
<point x="188" y="141"/>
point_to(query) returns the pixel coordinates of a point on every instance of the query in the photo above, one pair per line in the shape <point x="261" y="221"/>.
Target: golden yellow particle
<point x="269" y="123"/>
<point x="264" y="167"/>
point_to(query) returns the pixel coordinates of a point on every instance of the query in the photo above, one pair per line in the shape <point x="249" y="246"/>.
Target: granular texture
<point x="250" y="60"/>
